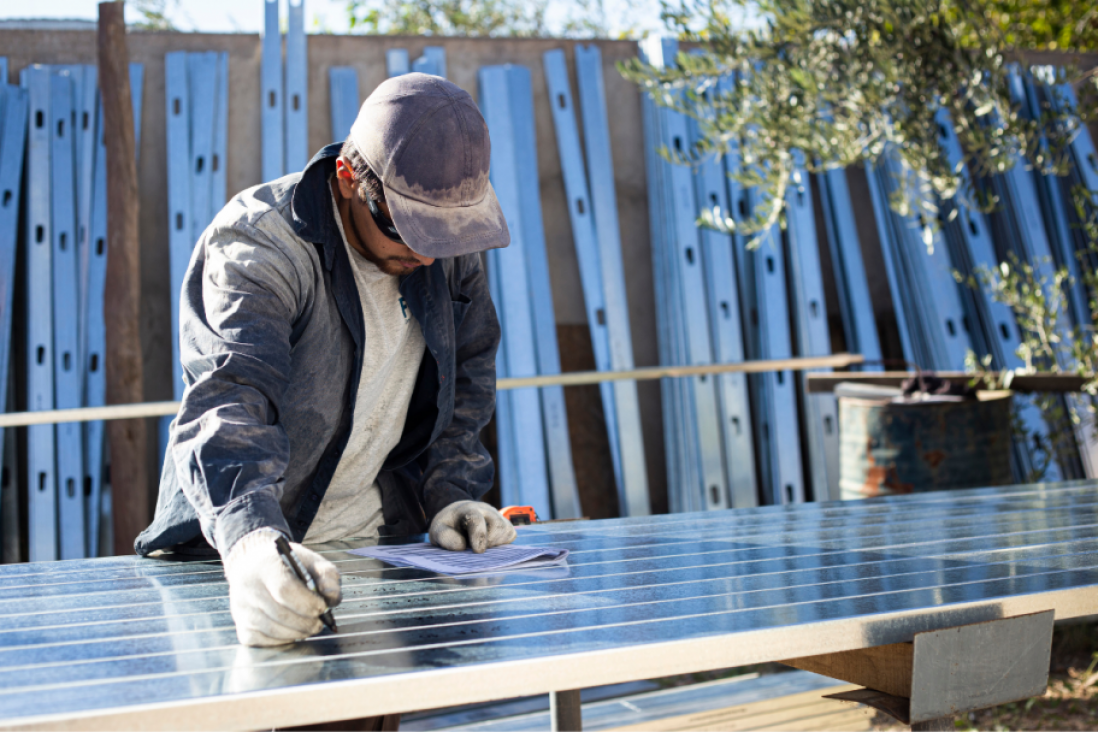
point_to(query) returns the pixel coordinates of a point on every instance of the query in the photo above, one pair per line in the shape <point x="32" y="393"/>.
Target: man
<point x="338" y="345"/>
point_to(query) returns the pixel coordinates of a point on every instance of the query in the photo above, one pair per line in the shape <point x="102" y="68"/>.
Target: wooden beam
<point x="1024" y="383"/>
<point x="882" y="668"/>
<point x="121" y="303"/>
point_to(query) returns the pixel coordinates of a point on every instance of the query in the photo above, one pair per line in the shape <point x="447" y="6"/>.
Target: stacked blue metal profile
<point x="698" y="299"/>
<point x="66" y="267"/>
<point x="926" y="296"/>
<point x="535" y="460"/>
<point x="592" y="209"/>
<point x="1067" y="237"/>
<point x="196" y="98"/>
<point x="991" y="324"/>
<point x="284" y="103"/>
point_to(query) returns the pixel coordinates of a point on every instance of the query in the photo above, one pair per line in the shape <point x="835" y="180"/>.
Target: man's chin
<point x="398" y="267"/>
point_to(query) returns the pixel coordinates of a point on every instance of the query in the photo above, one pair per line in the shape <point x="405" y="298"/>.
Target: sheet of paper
<point x="433" y="559"/>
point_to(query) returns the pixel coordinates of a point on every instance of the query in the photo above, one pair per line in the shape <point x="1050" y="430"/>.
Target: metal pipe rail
<point x="576" y="378"/>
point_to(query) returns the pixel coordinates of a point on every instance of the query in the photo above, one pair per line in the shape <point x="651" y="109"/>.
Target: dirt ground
<point x="1069" y="703"/>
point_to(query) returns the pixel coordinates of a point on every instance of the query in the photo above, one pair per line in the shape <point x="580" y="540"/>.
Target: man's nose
<point x="425" y="261"/>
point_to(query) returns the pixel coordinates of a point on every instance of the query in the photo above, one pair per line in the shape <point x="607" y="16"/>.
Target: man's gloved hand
<point x="270" y="605"/>
<point x="473" y="524"/>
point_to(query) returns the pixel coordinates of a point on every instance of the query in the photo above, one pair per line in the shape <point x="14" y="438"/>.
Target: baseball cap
<point x="427" y="142"/>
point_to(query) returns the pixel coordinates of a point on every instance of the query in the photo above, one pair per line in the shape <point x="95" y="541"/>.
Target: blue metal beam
<point x="633" y="477"/>
<point x="851" y="284"/>
<point x="583" y="238"/>
<point x="680" y="471"/>
<point x="220" y="135"/>
<point x="297" y="91"/>
<point x="272" y="100"/>
<point x="13" y="135"/>
<point x="201" y="71"/>
<point x="343" y="87"/>
<point x="821" y="411"/>
<point x="726" y="323"/>
<point x="68" y="383"/>
<point x="514" y="298"/>
<point x="558" y="447"/>
<point x="433" y="61"/>
<point x="396" y="62"/>
<point x="41" y="445"/>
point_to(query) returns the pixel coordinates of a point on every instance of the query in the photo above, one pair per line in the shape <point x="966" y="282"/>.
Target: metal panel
<point x="633" y="477"/>
<point x="726" y="323"/>
<point x="297" y="91"/>
<point x="979" y="666"/>
<point x="851" y="284"/>
<point x="396" y="62"/>
<point x="272" y="101"/>
<point x="68" y="383"/>
<point x="42" y="498"/>
<point x="515" y="306"/>
<point x="558" y="448"/>
<point x="640" y="597"/>
<point x="343" y="86"/>
<point x="583" y="238"/>
<point x="821" y="411"/>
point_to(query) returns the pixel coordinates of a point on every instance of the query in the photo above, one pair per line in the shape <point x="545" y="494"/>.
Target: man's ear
<point x="345" y="178"/>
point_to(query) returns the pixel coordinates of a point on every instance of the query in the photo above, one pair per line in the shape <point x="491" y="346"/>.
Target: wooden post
<point x="124" y="370"/>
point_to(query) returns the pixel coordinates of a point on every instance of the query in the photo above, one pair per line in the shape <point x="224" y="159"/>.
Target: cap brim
<point x="450" y="231"/>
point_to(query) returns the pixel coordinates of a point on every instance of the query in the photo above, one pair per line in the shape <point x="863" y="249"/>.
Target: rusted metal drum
<point x="912" y="446"/>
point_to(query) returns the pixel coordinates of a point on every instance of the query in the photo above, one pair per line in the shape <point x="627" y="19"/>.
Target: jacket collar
<point x="311" y="205"/>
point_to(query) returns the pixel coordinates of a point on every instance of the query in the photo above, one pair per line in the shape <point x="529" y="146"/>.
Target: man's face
<point x="391" y="257"/>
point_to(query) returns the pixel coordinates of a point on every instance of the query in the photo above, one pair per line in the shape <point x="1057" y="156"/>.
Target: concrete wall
<point x="367" y="55"/>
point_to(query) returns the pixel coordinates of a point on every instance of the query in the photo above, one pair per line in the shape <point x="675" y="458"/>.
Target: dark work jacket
<point x="271" y="342"/>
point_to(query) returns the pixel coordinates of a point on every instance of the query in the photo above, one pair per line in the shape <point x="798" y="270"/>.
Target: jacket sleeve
<point x="237" y="309"/>
<point x="458" y="466"/>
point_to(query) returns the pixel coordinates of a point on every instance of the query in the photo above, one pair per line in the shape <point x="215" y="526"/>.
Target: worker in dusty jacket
<point x="338" y="345"/>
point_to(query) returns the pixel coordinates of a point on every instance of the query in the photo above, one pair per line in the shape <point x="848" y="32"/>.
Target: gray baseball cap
<point x="428" y="143"/>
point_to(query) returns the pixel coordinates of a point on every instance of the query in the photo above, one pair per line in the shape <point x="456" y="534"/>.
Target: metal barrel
<point x="913" y="447"/>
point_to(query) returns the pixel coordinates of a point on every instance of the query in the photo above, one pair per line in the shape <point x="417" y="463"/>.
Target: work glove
<point x="473" y="524"/>
<point x="269" y="604"/>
